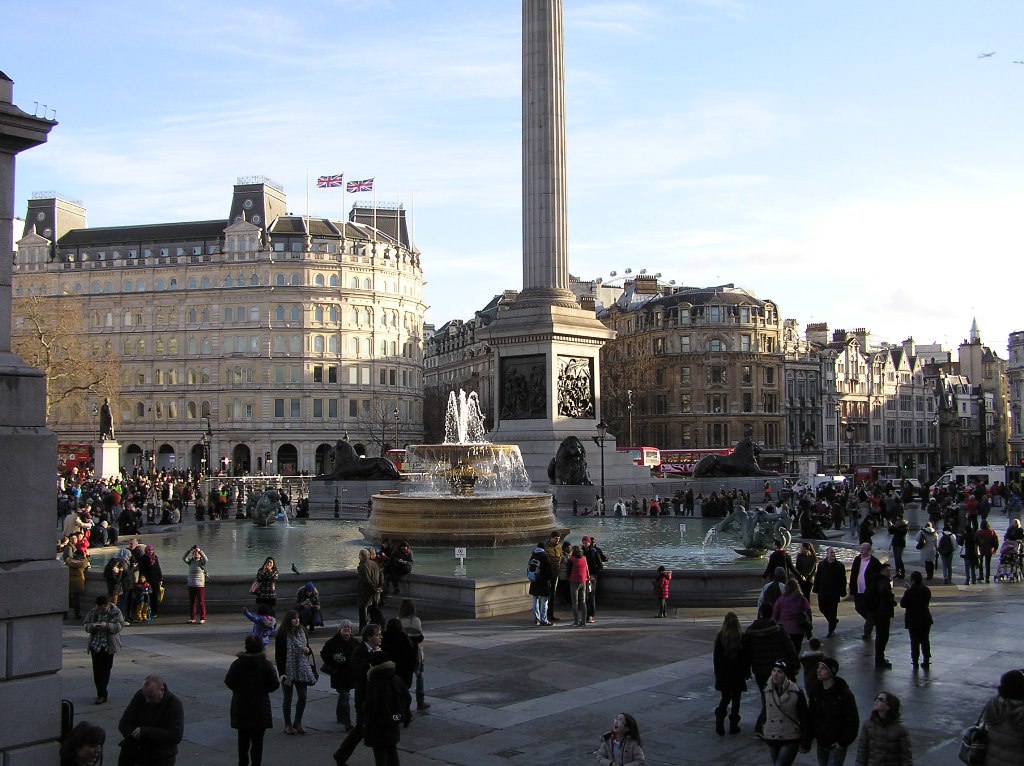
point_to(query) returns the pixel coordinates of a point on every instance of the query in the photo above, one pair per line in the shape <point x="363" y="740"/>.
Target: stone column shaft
<point x="545" y="226"/>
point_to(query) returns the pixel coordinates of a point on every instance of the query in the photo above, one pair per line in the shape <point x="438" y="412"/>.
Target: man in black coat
<point x="367" y="653"/>
<point x="830" y="585"/>
<point x="863" y="571"/>
<point x="833" y="714"/>
<point x="779" y="557"/>
<point x="883" y="607"/>
<point x="152" y="726"/>
<point x="765" y="642"/>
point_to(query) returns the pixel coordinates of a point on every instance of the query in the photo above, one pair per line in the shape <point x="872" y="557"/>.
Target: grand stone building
<point x="694" y="368"/>
<point x="251" y="342"/>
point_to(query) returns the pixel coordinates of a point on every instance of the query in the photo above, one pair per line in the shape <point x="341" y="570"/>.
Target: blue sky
<point x="857" y="163"/>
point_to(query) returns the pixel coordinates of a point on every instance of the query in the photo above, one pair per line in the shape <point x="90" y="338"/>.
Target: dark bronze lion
<point x="569" y="466"/>
<point x="349" y="465"/>
<point x="742" y="462"/>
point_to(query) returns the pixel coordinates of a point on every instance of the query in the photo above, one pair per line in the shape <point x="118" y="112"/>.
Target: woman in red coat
<point x="661" y="587"/>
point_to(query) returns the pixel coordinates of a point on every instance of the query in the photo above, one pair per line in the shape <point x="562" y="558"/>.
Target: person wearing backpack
<point x="947" y="547"/>
<point x="538" y="572"/>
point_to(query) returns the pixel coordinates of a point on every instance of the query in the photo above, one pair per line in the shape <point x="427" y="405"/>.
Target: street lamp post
<point x="850" y="431"/>
<point x="398" y="420"/>
<point x="629" y="415"/>
<point x="602" y="432"/>
<point x="839" y="442"/>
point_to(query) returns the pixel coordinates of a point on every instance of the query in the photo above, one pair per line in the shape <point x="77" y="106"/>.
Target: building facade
<point x="250" y="343"/>
<point x="694" y="368"/>
<point x="1015" y="379"/>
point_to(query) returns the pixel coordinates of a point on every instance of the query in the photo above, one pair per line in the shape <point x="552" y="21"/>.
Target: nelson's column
<point x="34" y="586"/>
<point x="547" y="344"/>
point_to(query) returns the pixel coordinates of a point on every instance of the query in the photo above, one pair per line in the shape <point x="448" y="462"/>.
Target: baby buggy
<point x="1011" y="567"/>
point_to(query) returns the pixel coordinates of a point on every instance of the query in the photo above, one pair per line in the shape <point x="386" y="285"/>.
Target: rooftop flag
<point x="360" y="186"/>
<point x="328" y="182"/>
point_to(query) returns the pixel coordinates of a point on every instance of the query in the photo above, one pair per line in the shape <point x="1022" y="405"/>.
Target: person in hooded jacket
<point x="765" y="642"/>
<point x="622" y="745"/>
<point x="251" y="678"/>
<point x="832" y="711"/>
<point x="884" y="741"/>
<point x="540" y="586"/>
<point x="1004" y="721"/>
<point x="786" y="727"/>
<point x="386" y="708"/>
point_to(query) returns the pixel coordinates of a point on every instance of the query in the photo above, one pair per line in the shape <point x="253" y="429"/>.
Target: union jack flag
<point x="329" y="182"/>
<point x="360" y="186"/>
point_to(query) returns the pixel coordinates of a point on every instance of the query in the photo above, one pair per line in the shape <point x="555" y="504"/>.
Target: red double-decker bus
<point x="681" y="462"/>
<point x="646" y="456"/>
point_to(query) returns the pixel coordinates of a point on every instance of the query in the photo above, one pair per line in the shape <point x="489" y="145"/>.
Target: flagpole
<point x="307" y="200"/>
<point x="375" y="213"/>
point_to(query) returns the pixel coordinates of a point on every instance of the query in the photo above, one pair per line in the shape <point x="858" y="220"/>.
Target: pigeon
<point x="295" y="570"/>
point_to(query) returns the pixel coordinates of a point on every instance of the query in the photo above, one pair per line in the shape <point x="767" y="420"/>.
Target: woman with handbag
<point x="294" y="660"/>
<point x="884" y="741"/>
<point x="1004" y="721"/>
<point x="265" y="584"/>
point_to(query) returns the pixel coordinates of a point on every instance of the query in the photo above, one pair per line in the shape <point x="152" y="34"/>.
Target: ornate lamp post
<point x="839" y="442"/>
<point x="398" y="420"/>
<point x="602" y="432"/>
<point x="850" y="431"/>
<point x="629" y="415"/>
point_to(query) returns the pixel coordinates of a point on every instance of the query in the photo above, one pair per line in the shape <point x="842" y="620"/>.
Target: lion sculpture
<point x="569" y="466"/>
<point x="350" y="465"/>
<point x="742" y="462"/>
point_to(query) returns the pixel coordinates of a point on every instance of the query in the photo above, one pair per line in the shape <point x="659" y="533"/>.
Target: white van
<point x="961" y="474"/>
<point x="813" y="483"/>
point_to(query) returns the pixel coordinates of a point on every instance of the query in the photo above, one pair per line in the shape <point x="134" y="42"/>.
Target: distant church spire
<point x="975" y="332"/>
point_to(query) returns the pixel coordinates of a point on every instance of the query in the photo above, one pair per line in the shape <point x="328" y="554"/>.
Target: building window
<point x="769" y="376"/>
<point x="744" y="342"/>
<point x="279" y="408"/>
<point x="717" y="404"/>
<point x="718" y="435"/>
<point x="684" y="376"/>
<point x="748" y="402"/>
<point x="684" y="344"/>
<point x="685" y="403"/>
<point x="714" y="345"/>
<point x="332" y="373"/>
<point x="747" y="375"/>
<point x="332" y="408"/>
<point x="318" y="373"/>
<point x="318" y="408"/>
<point x="718" y="375"/>
<point x="770" y="403"/>
<point x="295" y="409"/>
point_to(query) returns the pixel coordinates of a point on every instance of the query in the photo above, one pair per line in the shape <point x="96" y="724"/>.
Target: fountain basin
<point x="461" y="520"/>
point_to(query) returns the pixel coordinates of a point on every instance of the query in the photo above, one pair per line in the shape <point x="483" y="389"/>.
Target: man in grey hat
<point x="833" y="714"/>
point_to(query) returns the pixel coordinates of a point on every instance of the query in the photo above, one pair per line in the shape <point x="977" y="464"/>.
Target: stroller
<point x="1011" y="566"/>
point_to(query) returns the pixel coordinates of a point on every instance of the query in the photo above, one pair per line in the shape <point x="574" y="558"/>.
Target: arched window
<point x="355" y="283"/>
<point x="279" y="344"/>
<point x="172" y="284"/>
<point x="354" y="317"/>
<point x="354" y="344"/>
<point x="172" y="346"/>
<point x="192" y="377"/>
<point x="204" y="282"/>
<point x="140" y="410"/>
<point x="204" y="410"/>
<point x="127" y="286"/>
<point x="204" y="375"/>
<point x="240" y="314"/>
<point x="140" y="346"/>
<point x="295" y="280"/>
<point x="192" y="346"/>
<point x="158" y="377"/>
<point x="206" y="347"/>
<point x="333" y="281"/>
<point x="318" y="344"/>
<point x="367" y="284"/>
<point x="172" y="410"/>
<point x="192" y="284"/>
<point x="295" y="344"/>
<point x="279" y="314"/>
<point x="191" y="411"/>
<point x="332" y="344"/>
<point x="368" y="317"/>
<point x="228" y="314"/>
<point x="296" y="315"/>
<point x="229" y="281"/>
<point x="332" y="314"/>
<point x="159" y="346"/>
<point x="318" y="314"/>
<point x="254" y="281"/>
<point x="280" y="281"/>
<point x="318" y="280"/>
<point x="254" y="313"/>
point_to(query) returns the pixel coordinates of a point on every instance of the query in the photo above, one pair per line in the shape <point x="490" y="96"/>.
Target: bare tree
<point x="378" y="423"/>
<point x="74" y="362"/>
<point x="627" y="377"/>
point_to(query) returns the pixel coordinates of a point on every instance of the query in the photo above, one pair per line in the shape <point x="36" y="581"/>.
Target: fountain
<point x="464" y="491"/>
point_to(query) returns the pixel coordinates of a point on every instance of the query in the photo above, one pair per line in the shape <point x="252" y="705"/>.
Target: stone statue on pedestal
<point x="106" y="422"/>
